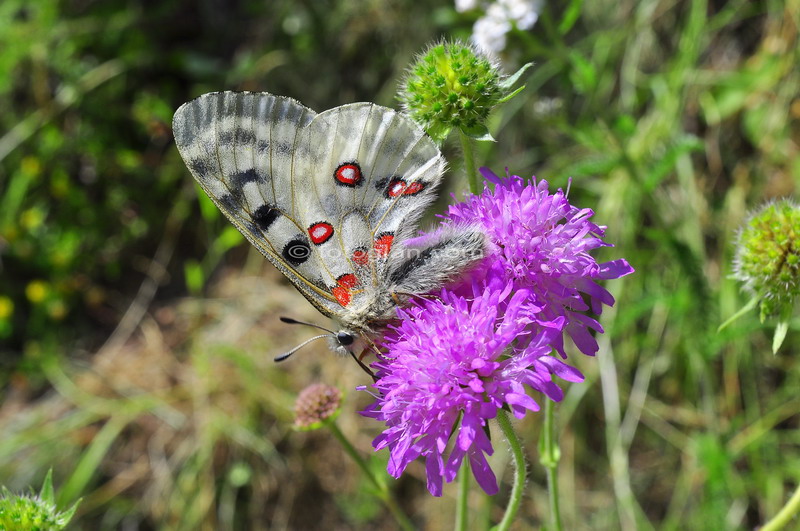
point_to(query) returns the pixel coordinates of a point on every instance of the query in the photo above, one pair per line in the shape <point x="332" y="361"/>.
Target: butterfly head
<point x="344" y="341"/>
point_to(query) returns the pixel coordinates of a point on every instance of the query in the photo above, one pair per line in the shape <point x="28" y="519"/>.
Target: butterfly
<point x="331" y="199"/>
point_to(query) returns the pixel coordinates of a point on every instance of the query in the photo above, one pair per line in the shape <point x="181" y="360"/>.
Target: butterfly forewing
<point x="240" y="147"/>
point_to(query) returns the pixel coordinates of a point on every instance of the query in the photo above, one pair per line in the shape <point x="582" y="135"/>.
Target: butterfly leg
<point x="363" y="365"/>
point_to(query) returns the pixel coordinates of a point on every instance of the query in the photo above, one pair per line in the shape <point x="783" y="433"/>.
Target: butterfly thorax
<point x="370" y="313"/>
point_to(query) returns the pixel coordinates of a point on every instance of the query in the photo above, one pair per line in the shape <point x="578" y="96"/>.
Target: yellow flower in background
<point x="6" y="307"/>
<point x="36" y="291"/>
<point x="32" y="218"/>
<point x="31" y="166"/>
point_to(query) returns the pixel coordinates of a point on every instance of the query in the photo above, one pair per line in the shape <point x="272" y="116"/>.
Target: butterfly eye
<point x="345" y="338"/>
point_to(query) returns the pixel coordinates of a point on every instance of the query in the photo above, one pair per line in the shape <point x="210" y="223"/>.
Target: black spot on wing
<point x="238" y="180"/>
<point x="381" y="184"/>
<point x="199" y="167"/>
<point x="230" y="203"/>
<point x="225" y="138"/>
<point x="262" y="146"/>
<point x="283" y="148"/>
<point x="236" y="136"/>
<point x="296" y="251"/>
<point x="265" y="215"/>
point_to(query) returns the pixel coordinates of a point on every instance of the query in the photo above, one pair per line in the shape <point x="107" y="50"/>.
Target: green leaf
<point x="511" y="80"/>
<point x="479" y="132"/>
<point x="571" y="15"/>
<point x="780" y="334"/>
<point x="208" y="209"/>
<point x="665" y="164"/>
<point x="195" y="278"/>
<point x="582" y="74"/>
<point x="47" y="494"/>
<point x="67" y="515"/>
<point x="511" y="95"/>
<point x="746" y="308"/>
<point x="229" y="238"/>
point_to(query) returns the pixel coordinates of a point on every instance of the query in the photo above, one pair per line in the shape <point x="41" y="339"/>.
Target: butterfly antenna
<point x="301" y="345"/>
<point x="289" y="320"/>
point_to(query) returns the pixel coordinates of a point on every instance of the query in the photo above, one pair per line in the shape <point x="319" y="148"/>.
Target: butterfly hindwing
<point x="368" y="156"/>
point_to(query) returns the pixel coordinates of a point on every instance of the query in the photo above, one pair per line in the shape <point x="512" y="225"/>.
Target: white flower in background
<point x="524" y="12"/>
<point x="489" y="31"/>
<point x="466" y="5"/>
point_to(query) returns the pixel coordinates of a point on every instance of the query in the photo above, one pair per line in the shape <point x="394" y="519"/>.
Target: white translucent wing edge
<point x="199" y="124"/>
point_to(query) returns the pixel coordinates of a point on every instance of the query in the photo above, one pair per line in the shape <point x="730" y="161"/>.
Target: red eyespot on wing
<point x="342" y="295"/>
<point x="348" y="174"/>
<point x="413" y="188"/>
<point x="348" y="280"/>
<point x="320" y="232"/>
<point x="396" y="187"/>
<point x="360" y="257"/>
<point x="383" y="244"/>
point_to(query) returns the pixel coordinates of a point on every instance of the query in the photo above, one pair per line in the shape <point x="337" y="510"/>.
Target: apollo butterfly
<point x="331" y="199"/>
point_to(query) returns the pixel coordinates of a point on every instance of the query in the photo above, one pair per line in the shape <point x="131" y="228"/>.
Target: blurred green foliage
<point x="88" y="174"/>
<point x="673" y="118"/>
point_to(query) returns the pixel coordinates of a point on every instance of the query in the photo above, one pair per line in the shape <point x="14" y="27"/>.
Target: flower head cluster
<point x="768" y="257"/>
<point x="454" y="362"/>
<point x="451" y="363"/>
<point x="315" y="405"/>
<point x="543" y="245"/>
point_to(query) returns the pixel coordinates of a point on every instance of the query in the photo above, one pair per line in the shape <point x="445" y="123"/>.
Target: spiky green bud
<point x="453" y="85"/>
<point x="768" y="262"/>
<point x="33" y="512"/>
<point x="316" y="405"/>
<point x="768" y="256"/>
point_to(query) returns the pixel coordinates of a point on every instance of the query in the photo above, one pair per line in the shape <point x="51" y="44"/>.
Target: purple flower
<point x="542" y="243"/>
<point x="453" y="363"/>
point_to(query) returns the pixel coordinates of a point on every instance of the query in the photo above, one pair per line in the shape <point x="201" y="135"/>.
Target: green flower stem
<point x="468" y="147"/>
<point x="550" y="456"/>
<point x="520" y="472"/>
<point x="383" y="491"/>
<point x="463" y="494"/>
<point x="789" y="511"/>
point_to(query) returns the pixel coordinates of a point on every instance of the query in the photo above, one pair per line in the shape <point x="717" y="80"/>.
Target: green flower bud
<point x="316" y="405"/>
<point x="768" y="257"/>
<point x="454" y="85"/>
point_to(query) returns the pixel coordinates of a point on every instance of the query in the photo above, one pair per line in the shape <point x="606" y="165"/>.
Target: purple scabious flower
<point x="542" y="244"/>
<point x="451" y="363"/>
